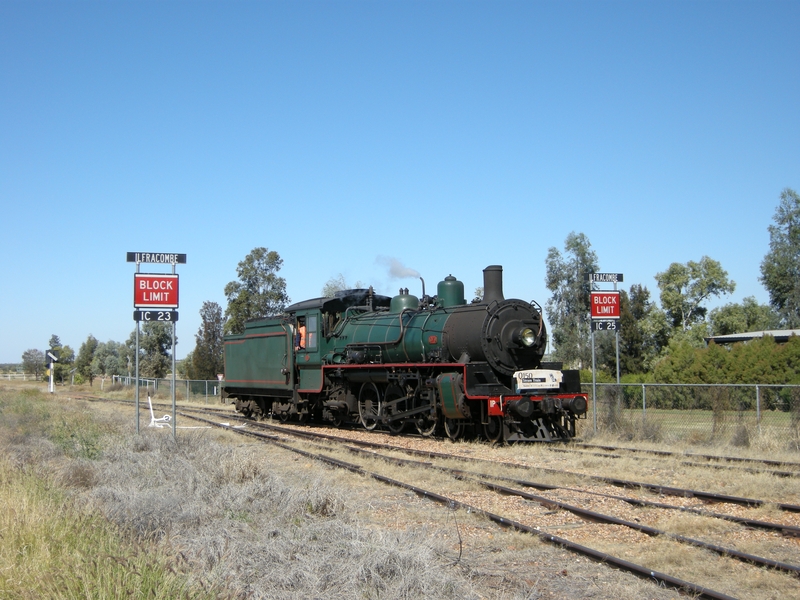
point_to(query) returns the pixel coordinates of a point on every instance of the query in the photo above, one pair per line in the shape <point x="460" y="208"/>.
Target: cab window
<point x="311" y="332"/>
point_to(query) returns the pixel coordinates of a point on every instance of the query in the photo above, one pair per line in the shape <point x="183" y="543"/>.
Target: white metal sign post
<point x="157" y="294"/>
<point x="52" y="357"/>
<point x="605" y="313"/>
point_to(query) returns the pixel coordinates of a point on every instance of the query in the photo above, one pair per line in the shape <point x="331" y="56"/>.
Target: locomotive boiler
<point x="401" y="363"/>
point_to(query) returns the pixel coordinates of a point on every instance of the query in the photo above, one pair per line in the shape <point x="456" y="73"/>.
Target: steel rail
<point x="787" y="530"/>
<point x="665" y="454"/>
<point x="668" y="453"/>
<point x="652" y="487"/>
<point x="657" y="576"/>
<point x="594" y="516"/>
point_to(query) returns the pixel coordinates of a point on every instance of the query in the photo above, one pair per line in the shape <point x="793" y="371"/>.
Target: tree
<point x="186" y="366"/>
<point x="640" y="339"/>
<point x="55" y="341"/>
<point x="33" y="362"/>
<point x="337" y="284"/>
<point x="780" y="269"/>
<point x="63" y="368"/>
<point x="207" y="357"/>
<point x="259" y="292"/>
<point x="83" y="363"/>
<point x="744" y="317"/>
<point x="66" y="356"/>
<point x="109" y="359"/>
<point x="684" y="288"/>
<point x="155" y="342"/>
<point x="569" y="307"/>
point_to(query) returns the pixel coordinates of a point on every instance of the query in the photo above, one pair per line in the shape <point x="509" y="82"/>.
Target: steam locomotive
<point x="431" y="364"/>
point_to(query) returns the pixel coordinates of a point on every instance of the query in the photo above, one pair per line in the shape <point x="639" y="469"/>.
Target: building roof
<point x="780" y="335"/>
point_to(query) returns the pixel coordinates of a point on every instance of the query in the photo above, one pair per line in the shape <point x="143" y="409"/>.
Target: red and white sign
<point x="155" y="291"/>
<point x="605" y="305"/>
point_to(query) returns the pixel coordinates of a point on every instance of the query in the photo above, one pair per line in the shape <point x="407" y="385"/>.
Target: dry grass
<point x="247" y="521"/>
<point x="50" y="546"/>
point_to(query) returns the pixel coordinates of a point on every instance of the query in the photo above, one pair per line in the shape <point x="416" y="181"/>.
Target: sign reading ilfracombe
<point x="157" y="258"/>
<point x="157" y="292"/>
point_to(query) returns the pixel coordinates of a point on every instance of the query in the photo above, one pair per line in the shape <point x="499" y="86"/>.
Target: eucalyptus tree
<point x="207" y="357"/>
<point x="568" y="309"/>
<point x="259" y="291"/>
<point x="109" y="359"/>
<point x="685" y="287"/>
<point x="744" y="317"/>
<point x="33" y="362"/>
<point x="337" y="284"/>
<point x="780" y="269"/>
<point x="83" y="363"/>
<point x="155" y="344"/>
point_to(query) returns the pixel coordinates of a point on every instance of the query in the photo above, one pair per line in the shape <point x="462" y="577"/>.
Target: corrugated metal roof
<point x="780" y="335"/>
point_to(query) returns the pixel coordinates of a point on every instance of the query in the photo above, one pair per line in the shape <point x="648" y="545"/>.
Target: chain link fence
<point x="723" y="414"/>
<point x="190" y="390"/>
<point x="698" y="414"/>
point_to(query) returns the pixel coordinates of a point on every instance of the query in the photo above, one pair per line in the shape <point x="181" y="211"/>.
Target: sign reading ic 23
<point x="155" y="291"/>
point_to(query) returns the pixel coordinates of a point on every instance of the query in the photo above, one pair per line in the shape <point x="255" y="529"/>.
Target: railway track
<point x="587" y="529"/>
<point x="731" y="463"/>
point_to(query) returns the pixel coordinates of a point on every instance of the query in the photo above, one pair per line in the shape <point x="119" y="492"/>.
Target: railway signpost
<point x="52" y="357"/>
<point x="605" y="313"/>
<point x="155" y="296"/>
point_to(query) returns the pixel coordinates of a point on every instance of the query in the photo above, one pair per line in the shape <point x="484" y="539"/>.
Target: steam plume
<point x="397" y="270"/>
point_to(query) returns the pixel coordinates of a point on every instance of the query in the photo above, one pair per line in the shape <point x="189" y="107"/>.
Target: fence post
<point x="758" y="409"/>
<point x="644" y="401"/>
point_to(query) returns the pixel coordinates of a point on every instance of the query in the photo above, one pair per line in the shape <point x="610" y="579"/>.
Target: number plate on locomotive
<point x="537" y="379"/>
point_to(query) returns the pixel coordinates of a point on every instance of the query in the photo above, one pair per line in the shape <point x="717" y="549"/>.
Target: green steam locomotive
<point x="430" y="365"/>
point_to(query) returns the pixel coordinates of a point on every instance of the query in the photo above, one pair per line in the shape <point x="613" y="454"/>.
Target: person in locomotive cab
<point x="300" y="335"/>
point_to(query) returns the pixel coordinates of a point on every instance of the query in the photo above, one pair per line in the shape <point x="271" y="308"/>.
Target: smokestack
<point x="493" y="284"/>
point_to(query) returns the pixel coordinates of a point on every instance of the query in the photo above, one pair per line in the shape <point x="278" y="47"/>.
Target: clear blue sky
<point x="447" y="136"/>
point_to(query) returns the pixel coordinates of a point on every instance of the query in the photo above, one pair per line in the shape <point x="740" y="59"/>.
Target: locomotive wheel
<point x="453" y="428"/>
<point x="284" y="416"/>
<point x="493" y="430"/>
<point x="369" y="406"/>
<point x="426" y="426"/>
<point x="394" y="392"/>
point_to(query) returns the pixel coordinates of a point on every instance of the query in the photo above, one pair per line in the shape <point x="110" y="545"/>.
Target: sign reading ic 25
<point x="155" y="291"/>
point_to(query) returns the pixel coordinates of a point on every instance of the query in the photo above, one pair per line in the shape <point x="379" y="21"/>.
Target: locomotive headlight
<point x="527" y="337"/>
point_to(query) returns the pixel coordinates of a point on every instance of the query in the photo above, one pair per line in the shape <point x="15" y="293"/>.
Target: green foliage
<point x="77" y="437"/>
<point x="337" y="284"/>
<point x="684" y="288"/>
<point x="207" y="357"/>
<point x="258" y="293"/>
<point x="760" y="361"/>
<point x="744" y="317"/>
<point x="155" y="344"/>
<point x="33" y="362"/>
<point x="568" y="308"/>
<point x="66" y="357"/>
<point x="85" y="357"/>
<point x="110" y="358"/>
<point x="780" y="269"/>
